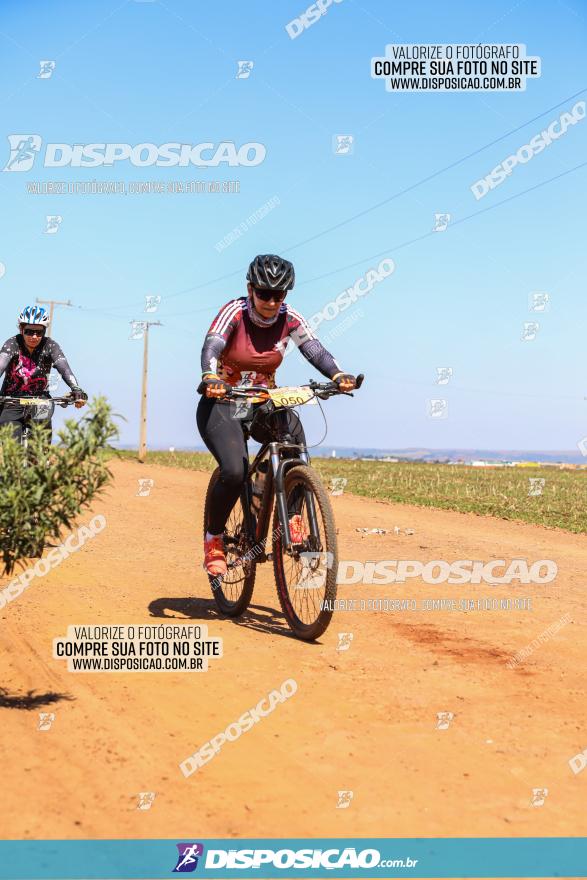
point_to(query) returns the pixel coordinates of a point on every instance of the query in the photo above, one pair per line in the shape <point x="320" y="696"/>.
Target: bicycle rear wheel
<point x="306" y="577"/>
<point x="233" y="592"/>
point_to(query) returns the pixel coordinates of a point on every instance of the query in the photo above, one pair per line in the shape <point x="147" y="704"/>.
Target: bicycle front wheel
<point x="306" y="575"/>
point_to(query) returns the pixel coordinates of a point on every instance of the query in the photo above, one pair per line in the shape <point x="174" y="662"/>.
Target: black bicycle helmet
<point x="270" y="272"/>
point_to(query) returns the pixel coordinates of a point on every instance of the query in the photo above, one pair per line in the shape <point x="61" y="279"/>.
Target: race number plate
<point x="290" y="396"/>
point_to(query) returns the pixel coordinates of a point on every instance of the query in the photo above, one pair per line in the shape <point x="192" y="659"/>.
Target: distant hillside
<point x="416" y="454"/>
<point x="467" y="455"/>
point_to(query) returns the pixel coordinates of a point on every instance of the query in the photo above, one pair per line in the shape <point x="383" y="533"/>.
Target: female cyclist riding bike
<point x="249" y="336"/>
<point x="26" y="360"/>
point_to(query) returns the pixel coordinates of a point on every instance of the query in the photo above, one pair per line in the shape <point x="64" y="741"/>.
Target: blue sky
<point x="159" y="72"/>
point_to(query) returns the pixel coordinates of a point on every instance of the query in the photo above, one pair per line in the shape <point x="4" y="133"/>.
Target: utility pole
<point x="143" y="420"/>
<point x="52" y="303"/>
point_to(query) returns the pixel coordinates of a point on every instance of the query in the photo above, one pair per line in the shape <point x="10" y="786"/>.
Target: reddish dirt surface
<point x="362" y="720"/>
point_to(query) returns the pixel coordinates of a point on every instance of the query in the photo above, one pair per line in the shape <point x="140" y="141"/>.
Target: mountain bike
<point x="41" y="411"/>
<point x="280" y="480"/>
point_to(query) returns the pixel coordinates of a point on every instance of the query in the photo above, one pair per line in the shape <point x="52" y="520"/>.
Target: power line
<point x="367" y="210"/>
<point x="394" y="248"/>
<point x="427" y="179"/>
<point x="398" y="247"/>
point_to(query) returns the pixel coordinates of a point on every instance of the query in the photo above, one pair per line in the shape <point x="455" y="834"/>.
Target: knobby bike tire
<point x="306" y="476"/>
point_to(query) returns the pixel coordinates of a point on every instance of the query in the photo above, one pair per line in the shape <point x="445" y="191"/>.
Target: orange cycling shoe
<point x="214" y="556"/>
<point x="297" y="529"/>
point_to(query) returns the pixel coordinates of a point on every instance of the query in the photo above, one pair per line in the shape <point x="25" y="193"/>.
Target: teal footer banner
<point x="333" y="857"/>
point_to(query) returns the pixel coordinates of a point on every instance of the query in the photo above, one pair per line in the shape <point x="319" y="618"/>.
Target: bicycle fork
<point x="279" y="467"/>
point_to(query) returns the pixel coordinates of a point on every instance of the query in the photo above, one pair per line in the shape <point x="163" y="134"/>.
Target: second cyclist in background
<point x="26" y="361"/>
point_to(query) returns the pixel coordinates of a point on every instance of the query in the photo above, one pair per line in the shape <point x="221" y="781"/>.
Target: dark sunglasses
<point x="30" y="331"/>
<point x="268" y="295"/>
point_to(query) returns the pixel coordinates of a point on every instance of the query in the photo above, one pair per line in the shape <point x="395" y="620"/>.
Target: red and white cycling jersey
<point x="237" y="349"/>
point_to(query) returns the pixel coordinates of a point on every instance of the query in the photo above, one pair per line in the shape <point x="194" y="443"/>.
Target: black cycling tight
<point x="223" y="435"/>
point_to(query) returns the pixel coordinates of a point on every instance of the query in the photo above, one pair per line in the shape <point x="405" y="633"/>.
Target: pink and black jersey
<point x="235" y="345"/>
<point x="26" y="373"/>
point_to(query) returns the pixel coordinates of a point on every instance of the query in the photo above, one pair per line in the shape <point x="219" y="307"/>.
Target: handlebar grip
<point x="359" y="380"/>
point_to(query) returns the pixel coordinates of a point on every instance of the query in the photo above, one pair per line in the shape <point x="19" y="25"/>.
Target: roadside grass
<point x="501" y="492"/>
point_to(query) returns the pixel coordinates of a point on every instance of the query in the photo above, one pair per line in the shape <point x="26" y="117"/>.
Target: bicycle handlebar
<point x="38" y="401"/>
<point x="323" y="390"/>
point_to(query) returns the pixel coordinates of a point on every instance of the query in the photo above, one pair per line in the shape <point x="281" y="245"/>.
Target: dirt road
<point x="362" y="720"/>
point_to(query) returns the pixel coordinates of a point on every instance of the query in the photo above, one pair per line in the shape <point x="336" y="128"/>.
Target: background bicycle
<point x="29" y="411"/>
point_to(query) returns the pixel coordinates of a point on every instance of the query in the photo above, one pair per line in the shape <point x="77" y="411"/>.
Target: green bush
<point x="43" y="489"/>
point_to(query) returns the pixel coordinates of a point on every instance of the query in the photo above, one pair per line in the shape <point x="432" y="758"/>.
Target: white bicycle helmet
<point x="33" y="315"/>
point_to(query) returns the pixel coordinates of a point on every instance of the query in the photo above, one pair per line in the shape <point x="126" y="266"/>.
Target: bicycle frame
<point x="275" y="488"/>
<point x="304" y="547"/>
<point x="275" y="478"/>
